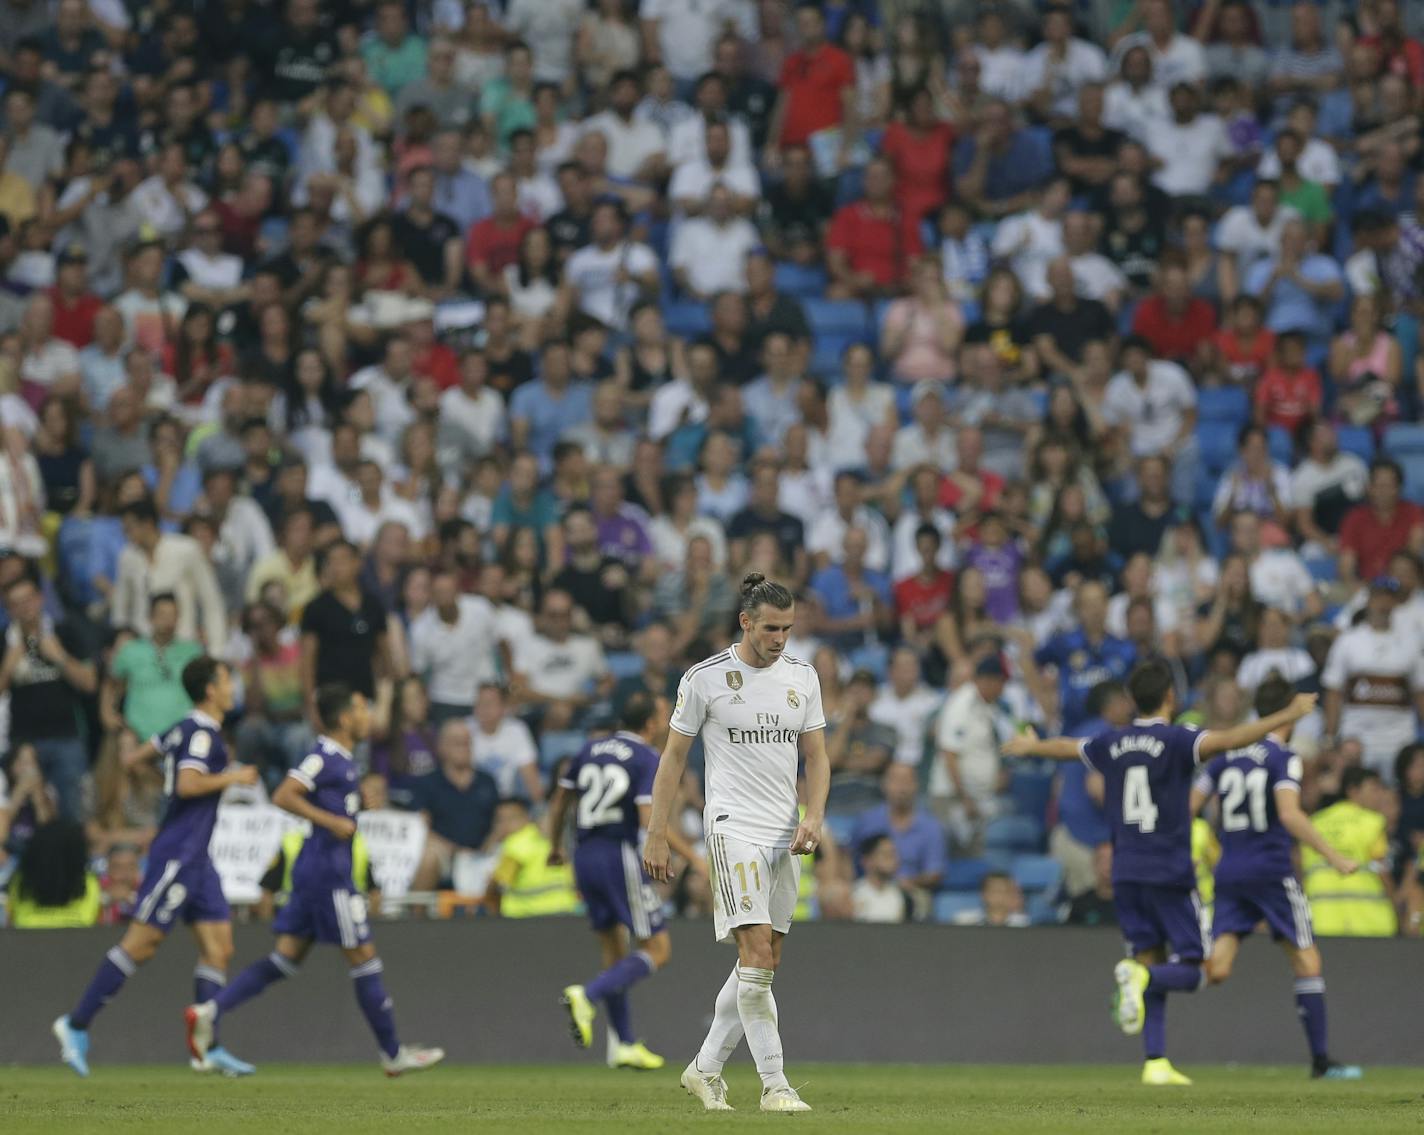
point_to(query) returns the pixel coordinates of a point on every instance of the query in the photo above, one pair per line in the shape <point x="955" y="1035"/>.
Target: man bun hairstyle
<point x="758" y="590"/>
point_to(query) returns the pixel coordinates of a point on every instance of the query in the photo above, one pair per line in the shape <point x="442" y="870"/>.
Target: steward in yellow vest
<point x="523" y="884"/>
<point x="1359" y="905"/>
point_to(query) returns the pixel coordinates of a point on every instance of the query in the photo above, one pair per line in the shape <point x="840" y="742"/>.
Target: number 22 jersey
<point x="1147" y="771"/>
<point x="611" y="776"/>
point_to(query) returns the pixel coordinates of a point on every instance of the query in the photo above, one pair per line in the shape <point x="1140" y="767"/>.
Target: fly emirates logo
<point x="767" y="731"/>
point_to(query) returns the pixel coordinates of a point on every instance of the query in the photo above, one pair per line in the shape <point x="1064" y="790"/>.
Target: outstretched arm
<point x="1224" y="740"/>
<point x="656" y="859"/>
<point x="1030" y="744"/>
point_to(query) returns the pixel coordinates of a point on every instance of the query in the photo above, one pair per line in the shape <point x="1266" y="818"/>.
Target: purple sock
<point x="619" y="1016"/>
<point x="116" y="968"/>
<point x="1154" y="1026"/>
<point x="1310" y="1005"/>
<point x="1175" y="977"/>
<point x="253" y="980"/>
<point x="620" y="976"/>
<point x="208" y="982"/>
<point x="376" y="1004"/>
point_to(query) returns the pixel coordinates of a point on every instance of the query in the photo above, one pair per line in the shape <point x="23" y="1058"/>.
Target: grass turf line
<point x="347" y="1100"/>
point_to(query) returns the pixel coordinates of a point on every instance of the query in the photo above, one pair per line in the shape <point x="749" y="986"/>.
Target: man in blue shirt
<point x="854" y="600"/>
<point x="999" y="167"/>
<point x="917" y="835"/>
<point x="542" y="411"/>
<point x="1082" y="826"/>
<point x="1083" y="657"/>
<point x="1300" y="288"/>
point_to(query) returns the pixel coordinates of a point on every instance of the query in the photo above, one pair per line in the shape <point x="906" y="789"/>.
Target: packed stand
<point x="471" y="355"/>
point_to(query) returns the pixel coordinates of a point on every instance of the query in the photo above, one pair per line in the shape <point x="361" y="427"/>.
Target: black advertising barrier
<point x="488" y="991"/>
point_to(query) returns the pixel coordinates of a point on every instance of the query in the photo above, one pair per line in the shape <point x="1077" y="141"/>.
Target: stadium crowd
<point x="471" y="353"/>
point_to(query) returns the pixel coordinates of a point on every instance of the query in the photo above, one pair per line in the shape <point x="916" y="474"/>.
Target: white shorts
<point x="752" y="885"/>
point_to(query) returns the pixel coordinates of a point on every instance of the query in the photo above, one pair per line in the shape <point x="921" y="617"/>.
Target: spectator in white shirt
<point x="606" y="278"/>
<point x="1279" y="577"/>
<point x="558" y="673"/>
<point x="877" y="895"/>
<point x="548" y="27"/>
<point x="504" y="747"/>
<point x="1055" y="70"/>
<point x="204" y="273"/>
<point x="1318" y="160"/>
<point x="907" y="705"/>
<point x="709" y="253"/>
<point x="693" y="180"/>
<point x="1001" y="60"/>
<point x="1176" y="58"/>
<point x="1029" y="241"/>
<point x="1190" y="146"/>
<point x="1133" y="103"/>
<point x="374" y="506"/>
<point x="1156" y="403"/>
<point x="682" y="36"/>
<point x="687" y="140"/>
<point x="930" y="437"/>
<point x="48" y="365"/>
<point x="826" y="538"/>
<point x="637" y="149"/>
<point x="168" y="199"/>
<point x="472" y="415"/>
<point x="1253" y="232"/>
<point x="685" y="400"/>
<point x="452" y="647"/>
<point x="152" y="562"/>
<point x="389" y="386"/>
<point x="244" y="534"/>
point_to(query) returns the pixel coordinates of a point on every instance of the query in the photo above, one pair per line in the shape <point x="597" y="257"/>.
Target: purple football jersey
<point x="1255" y="847"/>
<point x="329" y="775"/>
<point x="187" y="828"/>
<point x="1147" y="773"/>
<point x="612" y="777"/>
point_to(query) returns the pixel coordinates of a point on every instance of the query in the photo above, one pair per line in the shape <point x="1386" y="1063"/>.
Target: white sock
<point x="757" y="1008"/>
<point x="725" y="1033"/>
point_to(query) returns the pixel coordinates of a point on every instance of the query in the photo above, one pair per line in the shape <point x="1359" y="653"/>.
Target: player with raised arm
<point x="611" y="779"/>
<point x="757" y="709"/>
<point x="1259" y="820"/>
<point x="324" y="905"/>
<point x="181" y="879"/>
<point x="1147" y="769"/>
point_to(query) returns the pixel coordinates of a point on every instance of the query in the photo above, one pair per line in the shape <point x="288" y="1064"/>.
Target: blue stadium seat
<point x="1013" y="833"/>
<point x="1223" y="404"/>
<point x="842" y="827"/>
<point x="950" y="904"/>
<point x="556" y="745"/>
<point x="1218" y="446"/>
<point x="1413" y="466"/>
<point x="964" y="874"/>
<point x="1357" y="440"/>
<point x="687" y="319"/>
<point x="624" y="664"/>
<point x="971" y="311"/>
<point x="1282" y="448"/>
<point x="829" y="346"/>
<point x="1031" y="792"/>
<point x="1322" y="569"/>
<point x="843" y="317"/>
<point x="800" y="281"/>
<point x="1038" y="873"/>
<point x="1403" y="439"/>
<point x="1042" y="910"/>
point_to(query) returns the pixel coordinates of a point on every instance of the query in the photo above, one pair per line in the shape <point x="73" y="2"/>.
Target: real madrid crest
<point x="734" y="679"/>
<point x="746" y="904"/>
<point x="792" y="700"/>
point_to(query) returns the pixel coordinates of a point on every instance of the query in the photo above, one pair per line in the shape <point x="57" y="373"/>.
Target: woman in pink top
<point x="921" y="332"/>
<point x="1367" y="366"/>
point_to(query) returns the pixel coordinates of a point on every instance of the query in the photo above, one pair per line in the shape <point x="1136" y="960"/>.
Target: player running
<point x="323" y="906"/>
<point x="754" y="706"/>
<point x="181" y="879"/>
<point x="612" y="781"/>
<point x="1260" y="818"/>
<point x="1147" y="769"/>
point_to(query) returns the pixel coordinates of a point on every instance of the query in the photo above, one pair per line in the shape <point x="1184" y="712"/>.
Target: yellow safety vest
<point x="1349" y="906"/>
<point x="531" y="888"/>
<point x="25" y="914"/>
<point x="292" y="847"/>
<point x="1206" y="853"/>
<point x="806" y="885"/>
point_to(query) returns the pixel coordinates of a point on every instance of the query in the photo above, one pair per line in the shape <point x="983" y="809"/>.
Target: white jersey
<point x="1378" y="672"/>
<point x="751" y="720"/>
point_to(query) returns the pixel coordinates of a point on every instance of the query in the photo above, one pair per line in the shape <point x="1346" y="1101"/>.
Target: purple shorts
<point x="1171" y="917"/>
<point x="615" y="889"/>
<point x="1279" y="903"/>
<point x="335" y="917"/>
<point x="172" y="889"/>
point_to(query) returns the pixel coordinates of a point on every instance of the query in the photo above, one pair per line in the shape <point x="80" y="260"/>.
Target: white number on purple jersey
<point x="602" y="789"/>
<point x="1138" y="810"/>
<point x="1235" y="787"/>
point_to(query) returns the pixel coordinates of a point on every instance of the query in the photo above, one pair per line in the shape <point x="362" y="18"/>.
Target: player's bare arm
<point x="1030" y="744"/>
<point x="291" y="796"/>
<point x="1295" y="821"/>
<point x="192" y="783"/>
<point x="678" y="843"/>
<point x="1248" y="733"/>
<point x="558" y="813"/>
<point x="818" y="785"/>
<point x="656" y="859"/>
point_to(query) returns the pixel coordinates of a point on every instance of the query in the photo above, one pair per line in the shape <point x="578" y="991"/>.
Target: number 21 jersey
<point x="611" y="777"/>
<point x="1255" y="846"/>
<point x="1147" y="772"/>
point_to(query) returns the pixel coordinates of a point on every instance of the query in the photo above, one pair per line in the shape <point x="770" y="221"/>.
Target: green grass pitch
<point x="315" y="1099"/>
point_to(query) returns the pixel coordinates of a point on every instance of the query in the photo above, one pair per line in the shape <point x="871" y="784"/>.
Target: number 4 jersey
<point x="1255" y="847"/>
<point x="611" y="777"/>
<point x="1147" y="772"/>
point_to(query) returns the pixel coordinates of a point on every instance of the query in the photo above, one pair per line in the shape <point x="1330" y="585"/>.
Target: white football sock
<point x="757" y="1008"/>
<point x="725" y="1033"/>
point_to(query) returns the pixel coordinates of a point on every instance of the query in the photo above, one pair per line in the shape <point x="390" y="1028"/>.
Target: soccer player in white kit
<point x="756" y="708"/>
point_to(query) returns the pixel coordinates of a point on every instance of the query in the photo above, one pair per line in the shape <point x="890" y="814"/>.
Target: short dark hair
<point x="1356" y="776"/>
<point x="869" y="844"/>
<point x="1103" y="693"/>
<point x="1387" y="463"/>
<point x="1149" y="684"/>
<point x="1273" y="695"/>
<point x="929" y="532"/>
<point x="332" y="700"/>
<point x="199" y="674"/>
<point x="323" y="554"/>
<point x="757" y="589"/>
<point x="161" y="597"/>
<point x="141" y="510"/>
<point x="637" y="711"/>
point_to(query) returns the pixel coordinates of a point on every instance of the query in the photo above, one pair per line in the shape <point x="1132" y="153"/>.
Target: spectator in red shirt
<point x="1381" y="526"/>
<point x="1290" y="391"/>
<point x="970" y="487"/>
<point x="75" y="306"/>
<point x="817" y="88"/>
<point x="868" y="248"/>
<point x="1178" y="324"/>
<point x="1243" y="349"/>
<point x="493" y="243"/>
<point x="920" y="599"/>
<point x="431" y="358"/>
<point x="920" y="151"/>
<point x="1399" y="54"/>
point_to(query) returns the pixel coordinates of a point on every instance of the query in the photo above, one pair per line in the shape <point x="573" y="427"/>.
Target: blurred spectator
<point x="503" y="746"/>
<point x="145" y="678"/>
<point x="52" y="887"/>
<point x="273" y="734"/>
<point x="1156" y="403"/>
<point x="558" y="673"/>
<point x="1001" y="903"/>
<point x="458" y="802"/>
<point x="344" y="637"/>
<point x="917" y="836"/>
<point x="1095" y="906"/>
<point x="1368" y="367"/>
<point x="1362" y="904"/>
<point x="868" y="250"/>
<point x="452" y="647"/>
<point x="1379" y="526"/>
<point x="877" y="894"/>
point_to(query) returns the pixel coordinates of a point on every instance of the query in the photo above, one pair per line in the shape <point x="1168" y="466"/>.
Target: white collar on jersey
<point x="203" y="719"/>
<point x="740" y="661"/>
<point x="322" y="737"/>
<point x="1150" y="721"/>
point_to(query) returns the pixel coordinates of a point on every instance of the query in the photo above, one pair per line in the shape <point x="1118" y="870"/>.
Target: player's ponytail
<point x="758" y="590"/>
